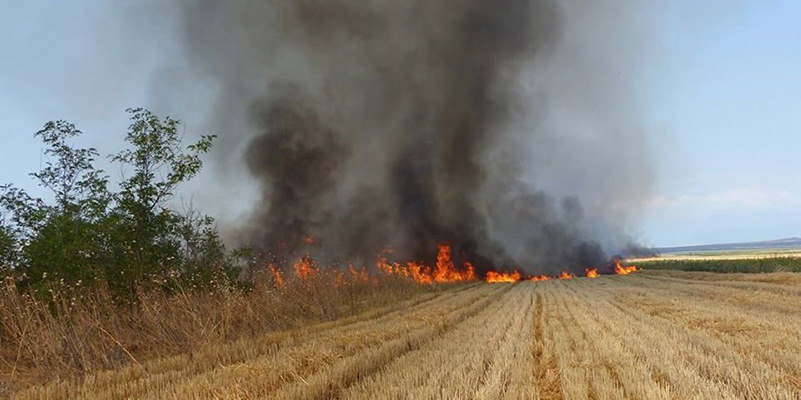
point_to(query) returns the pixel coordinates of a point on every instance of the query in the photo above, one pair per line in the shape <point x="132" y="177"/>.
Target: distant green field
<point x="755" y="264"/>
<point x="733" y="254"/>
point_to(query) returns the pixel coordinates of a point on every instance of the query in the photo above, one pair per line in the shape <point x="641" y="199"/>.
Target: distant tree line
<point x="124" y="238"/>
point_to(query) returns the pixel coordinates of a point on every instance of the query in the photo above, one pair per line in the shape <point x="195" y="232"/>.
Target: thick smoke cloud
<point x="404" y="124"/>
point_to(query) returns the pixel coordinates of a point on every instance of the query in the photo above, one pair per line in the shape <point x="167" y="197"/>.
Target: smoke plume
<point x="403" y="124"/>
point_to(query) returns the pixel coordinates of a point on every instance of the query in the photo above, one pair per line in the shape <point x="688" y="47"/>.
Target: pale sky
<point x="725" y="105"/>
<point x="730" y="124"/>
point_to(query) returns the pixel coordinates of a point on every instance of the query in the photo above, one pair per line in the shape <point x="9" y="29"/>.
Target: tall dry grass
<point x="71" y="335"/>
<point x="648" y="335"/>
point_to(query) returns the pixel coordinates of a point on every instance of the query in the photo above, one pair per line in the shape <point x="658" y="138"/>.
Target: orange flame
<point x="470" y="272"/>
<point x="495" y="277"/>
<point x="419" y="272"/>
<point x="278" y="277"/>
<point x="339" y="279"/>
<point x="305" y="268"/>
<point x="384" y="265"/>
<point x="358" y="275"/>
<point x="445" y="270"/>
<point x="621" y="269"/>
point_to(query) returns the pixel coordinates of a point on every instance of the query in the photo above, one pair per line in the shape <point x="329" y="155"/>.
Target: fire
<point x="278" y="277"/>
<point x="621" y="269"/>
<point x="385" y="266"/>
<point x="419" y="272"/>
<point x="445" y="270"/>
<point x="339" y="279"/>
<point x="305" y="268"/>
<point x="494" y="277"/>
<point x="358" y="275"/>
<point x="414" y="270"/>
<point x="470" y="273"/>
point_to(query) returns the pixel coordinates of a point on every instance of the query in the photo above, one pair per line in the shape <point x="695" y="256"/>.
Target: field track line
<point x="302" y="357"/>
<point x="661" y="354"/>
<point x="133" y="382"/>
<point x="778" y="288"/>
<point x="414" y="381"/>
<point x="477" y="352"/>
<point x="709" y="358"/>
<point x="754" y="330"/>
<point x="503" y="378"/>
<point x="328" y="384"/>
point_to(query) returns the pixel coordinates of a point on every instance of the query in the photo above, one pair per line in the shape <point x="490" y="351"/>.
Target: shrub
<point x="120" y="239"/>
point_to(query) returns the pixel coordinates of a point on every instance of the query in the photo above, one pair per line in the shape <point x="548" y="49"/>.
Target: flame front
<point x="305" y="268"/>
<point x="278" y="277"/>
<point x="495" y="277"/>
<point x="621" y="269"/>
<point x="339" y="279"/>
<point x="444" y="271"/>
<point x="358" y="274"/>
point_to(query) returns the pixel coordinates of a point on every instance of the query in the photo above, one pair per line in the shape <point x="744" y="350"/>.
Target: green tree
<point x="124" y="239"/>
<point x="205" y="259"/>
<point x="64" y="240"/>
<point x="8" y="245"/>
<point x="149" y="230"/>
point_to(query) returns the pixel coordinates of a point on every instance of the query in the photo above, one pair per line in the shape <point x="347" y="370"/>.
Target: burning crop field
<point x="644" y="335"/>
<point x="444" y="331"/>
<point x="411" y="330"/>
<point x="444" y="271"/>
<point x="416" y="199"/>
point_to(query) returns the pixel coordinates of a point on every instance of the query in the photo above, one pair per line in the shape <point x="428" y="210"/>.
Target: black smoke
<point x="405" y="124"/>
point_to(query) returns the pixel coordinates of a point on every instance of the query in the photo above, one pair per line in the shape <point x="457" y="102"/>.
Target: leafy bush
<point x="62" y="240"/>
<point x="124" y="239"/>
<point x="8" y="246"/>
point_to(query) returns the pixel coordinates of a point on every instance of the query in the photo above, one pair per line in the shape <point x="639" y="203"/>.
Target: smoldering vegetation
<point x="502" y="128"/>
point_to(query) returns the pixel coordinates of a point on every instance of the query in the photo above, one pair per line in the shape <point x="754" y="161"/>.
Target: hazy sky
<point x="723" y="103"/>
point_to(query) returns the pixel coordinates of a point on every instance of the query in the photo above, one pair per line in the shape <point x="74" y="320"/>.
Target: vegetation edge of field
<point x="746" y="265"/>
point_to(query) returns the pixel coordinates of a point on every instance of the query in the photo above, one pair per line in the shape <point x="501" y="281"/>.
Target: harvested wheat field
<point x="647" y="335"/>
